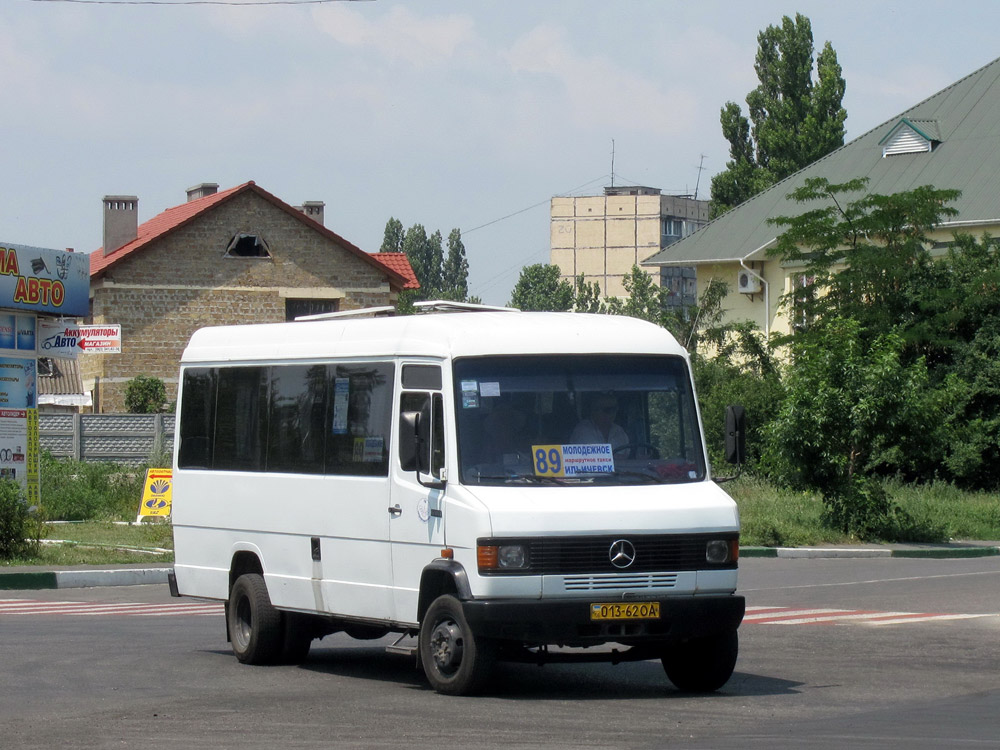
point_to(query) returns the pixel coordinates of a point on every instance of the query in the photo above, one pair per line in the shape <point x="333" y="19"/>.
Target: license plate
<point x="625" y="611"/>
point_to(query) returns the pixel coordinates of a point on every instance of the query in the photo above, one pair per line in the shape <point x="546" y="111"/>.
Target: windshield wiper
<point x="650" y="478"/>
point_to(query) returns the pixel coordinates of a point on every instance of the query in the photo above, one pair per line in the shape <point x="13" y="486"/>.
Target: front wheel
<point x="455" y="660"/>
<point x="702" y="665"/>
<point x="254" y="624"/>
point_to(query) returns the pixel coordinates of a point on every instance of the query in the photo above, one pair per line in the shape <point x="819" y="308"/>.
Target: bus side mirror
<point x="736" y="430"/>
<point x="412" y="451"/>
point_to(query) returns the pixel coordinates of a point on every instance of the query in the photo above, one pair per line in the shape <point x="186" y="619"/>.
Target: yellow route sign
<point x="156" y="493"/>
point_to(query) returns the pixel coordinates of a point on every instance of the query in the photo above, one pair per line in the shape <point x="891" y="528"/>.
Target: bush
<point x="145" y="395"/>
<point x="19" y="531"/>
<point x="81" y="491"/>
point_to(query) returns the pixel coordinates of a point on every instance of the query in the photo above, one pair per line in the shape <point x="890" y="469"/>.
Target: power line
<point x="536" y="205"/>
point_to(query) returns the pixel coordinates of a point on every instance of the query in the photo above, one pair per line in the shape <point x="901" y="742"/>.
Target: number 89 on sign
<point x="548" y="460"/>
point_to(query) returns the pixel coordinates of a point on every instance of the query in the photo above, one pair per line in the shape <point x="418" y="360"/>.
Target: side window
<point x="197" y="418"/>
<point x="241" y="419"/>
<point x="296" y="439"/>
<point x="431" y="408"/>
<point x="358" y="418"/>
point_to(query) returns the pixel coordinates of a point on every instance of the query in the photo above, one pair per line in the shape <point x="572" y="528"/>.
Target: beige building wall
<point x="183" y="282"/>
<point x="603" y="237"/>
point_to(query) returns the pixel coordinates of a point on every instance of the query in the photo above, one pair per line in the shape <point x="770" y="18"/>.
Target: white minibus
<point x="485" y="483"/>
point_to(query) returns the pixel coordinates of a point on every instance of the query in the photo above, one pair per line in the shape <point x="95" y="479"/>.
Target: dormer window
<point x="910" y="137"/>
<point x="247" y="246"/>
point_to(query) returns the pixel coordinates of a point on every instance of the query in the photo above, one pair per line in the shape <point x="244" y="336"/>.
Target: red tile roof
<point x="399" y="263"/>
<point x="398" y="269"/>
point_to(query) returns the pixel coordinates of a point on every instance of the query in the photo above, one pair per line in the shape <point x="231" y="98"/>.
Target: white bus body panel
<point x="372" y="560"/>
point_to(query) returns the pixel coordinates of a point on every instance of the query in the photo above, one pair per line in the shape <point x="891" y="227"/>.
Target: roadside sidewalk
<point x="39" y="577"/>
<point x="32" y="577"/>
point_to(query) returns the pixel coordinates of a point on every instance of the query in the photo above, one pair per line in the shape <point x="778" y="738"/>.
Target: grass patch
<point x="101" y="543"/>
<point x="776" y="517"/>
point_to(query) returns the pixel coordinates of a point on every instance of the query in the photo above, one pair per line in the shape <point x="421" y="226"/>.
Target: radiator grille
<point x="589" y="555"/>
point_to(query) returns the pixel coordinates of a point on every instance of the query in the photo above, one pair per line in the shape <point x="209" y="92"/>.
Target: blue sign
<point x="41" y="280"/>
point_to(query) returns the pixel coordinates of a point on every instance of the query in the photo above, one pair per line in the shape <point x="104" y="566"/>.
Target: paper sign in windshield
<point x="572" y="460"/>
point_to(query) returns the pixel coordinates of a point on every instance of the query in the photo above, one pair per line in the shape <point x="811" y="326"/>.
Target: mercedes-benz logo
<point x="622" y="553"/>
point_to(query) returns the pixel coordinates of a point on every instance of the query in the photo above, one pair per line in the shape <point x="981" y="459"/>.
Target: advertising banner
<point x="42" y="280"/>
<point x="67" y="339"/>
<point x="19" y="424"/>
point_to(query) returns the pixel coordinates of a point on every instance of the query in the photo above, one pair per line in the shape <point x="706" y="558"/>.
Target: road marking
<point x="792" y="616"/>
<point x="97" y="609"/>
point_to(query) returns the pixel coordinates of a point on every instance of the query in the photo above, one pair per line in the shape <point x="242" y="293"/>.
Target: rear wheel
<point x="254" y="624"/>
<point x="455" y="661"/>
<point x="702" y="665"/>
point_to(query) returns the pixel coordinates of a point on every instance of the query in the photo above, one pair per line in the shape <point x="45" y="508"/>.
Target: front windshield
<point x="576" y="419"/>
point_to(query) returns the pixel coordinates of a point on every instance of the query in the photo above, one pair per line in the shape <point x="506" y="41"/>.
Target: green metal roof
<point x="964" y="122"/>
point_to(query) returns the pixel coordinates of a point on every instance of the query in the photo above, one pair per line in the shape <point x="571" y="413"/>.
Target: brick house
<point x="237" y="256"/>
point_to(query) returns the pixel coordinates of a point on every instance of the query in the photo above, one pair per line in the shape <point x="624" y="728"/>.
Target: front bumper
<point x="567" y="622"/>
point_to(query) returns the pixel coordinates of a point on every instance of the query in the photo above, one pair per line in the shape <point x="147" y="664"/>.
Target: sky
<point x="447" y="113"/>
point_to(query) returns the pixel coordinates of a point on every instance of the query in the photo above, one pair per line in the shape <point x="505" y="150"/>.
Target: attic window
<point x="910" y="137"/>
<point x="247" y="246"/>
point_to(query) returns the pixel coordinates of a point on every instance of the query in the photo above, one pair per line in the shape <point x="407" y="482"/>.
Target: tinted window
<point x="197" y="419"/>
<point x="241" y="418"/>
<point x="358" y="419"/>
<point x="296" y="440"/>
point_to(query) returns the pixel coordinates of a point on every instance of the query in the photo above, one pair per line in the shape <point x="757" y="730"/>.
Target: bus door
<point x="416" y="523"/>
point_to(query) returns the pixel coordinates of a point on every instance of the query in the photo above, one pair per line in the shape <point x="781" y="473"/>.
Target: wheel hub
<point x="447" y="646"/>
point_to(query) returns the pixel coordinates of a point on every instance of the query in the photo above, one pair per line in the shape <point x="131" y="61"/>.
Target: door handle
<point x="395" y="510"/>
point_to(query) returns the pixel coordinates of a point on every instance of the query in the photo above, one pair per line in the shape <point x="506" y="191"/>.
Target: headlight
<point x="501" y="557"/>
<point x="719" y="551"/>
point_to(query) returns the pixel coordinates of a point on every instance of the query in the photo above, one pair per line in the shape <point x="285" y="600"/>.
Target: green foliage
<point x="145" y="395"/>
<point x="440" y="276"/>
<point x="540" y="288"/>
<point x="81" y="490"/>
<point x="392" y="241"/>
<point x="455" y="273"/>
<point x="19" y="531"/>
<point x="793" y="119"/>
<point x="846" y="403"/>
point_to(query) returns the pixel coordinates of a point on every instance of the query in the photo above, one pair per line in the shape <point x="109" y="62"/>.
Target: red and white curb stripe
<point x="92" y="609"/>
<point x="791" y="616"/>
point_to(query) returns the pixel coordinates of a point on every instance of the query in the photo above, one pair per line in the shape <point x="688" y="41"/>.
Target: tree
<point x="896" y="345"/>
<point x="847" y="402"/>
<point x="540" y="288"/>
<point x="440" y="276"/>
<point x="793" y="120"/>
<point x="455" y="274"/>
<point x="145" y="395"/>
<point x="864" y="259"/>
<point x="392" y="241"/>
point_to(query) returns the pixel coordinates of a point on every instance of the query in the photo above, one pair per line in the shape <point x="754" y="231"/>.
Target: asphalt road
<point x="835" y="653"/>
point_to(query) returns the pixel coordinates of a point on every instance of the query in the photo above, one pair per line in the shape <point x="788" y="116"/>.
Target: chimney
<point x="313" y="209"/>
<point x="200" y="191"/>
<point x="121" y="221"/>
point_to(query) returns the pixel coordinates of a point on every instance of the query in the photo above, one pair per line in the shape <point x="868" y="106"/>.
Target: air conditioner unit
<point x="747" y="283"/>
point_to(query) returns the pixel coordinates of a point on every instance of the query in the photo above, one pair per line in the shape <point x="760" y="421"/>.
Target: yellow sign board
<point x="156" y="493"/>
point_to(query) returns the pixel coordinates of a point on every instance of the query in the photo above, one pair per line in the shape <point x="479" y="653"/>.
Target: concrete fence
<point x="123" y="438"/>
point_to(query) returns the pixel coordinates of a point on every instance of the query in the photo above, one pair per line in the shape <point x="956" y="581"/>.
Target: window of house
<point x="297" y="308"/>
<point x="247" y="246"/>
<point x="681" y="285"/>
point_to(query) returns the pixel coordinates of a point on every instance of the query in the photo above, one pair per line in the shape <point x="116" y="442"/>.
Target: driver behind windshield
<point x="600" y="426"/>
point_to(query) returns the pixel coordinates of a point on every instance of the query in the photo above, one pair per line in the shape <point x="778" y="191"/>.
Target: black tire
<point x="702" y="665"/>
<point x="297" y="637"/>
<point x="455" y="661"/>
<point x="254" y="624"/>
